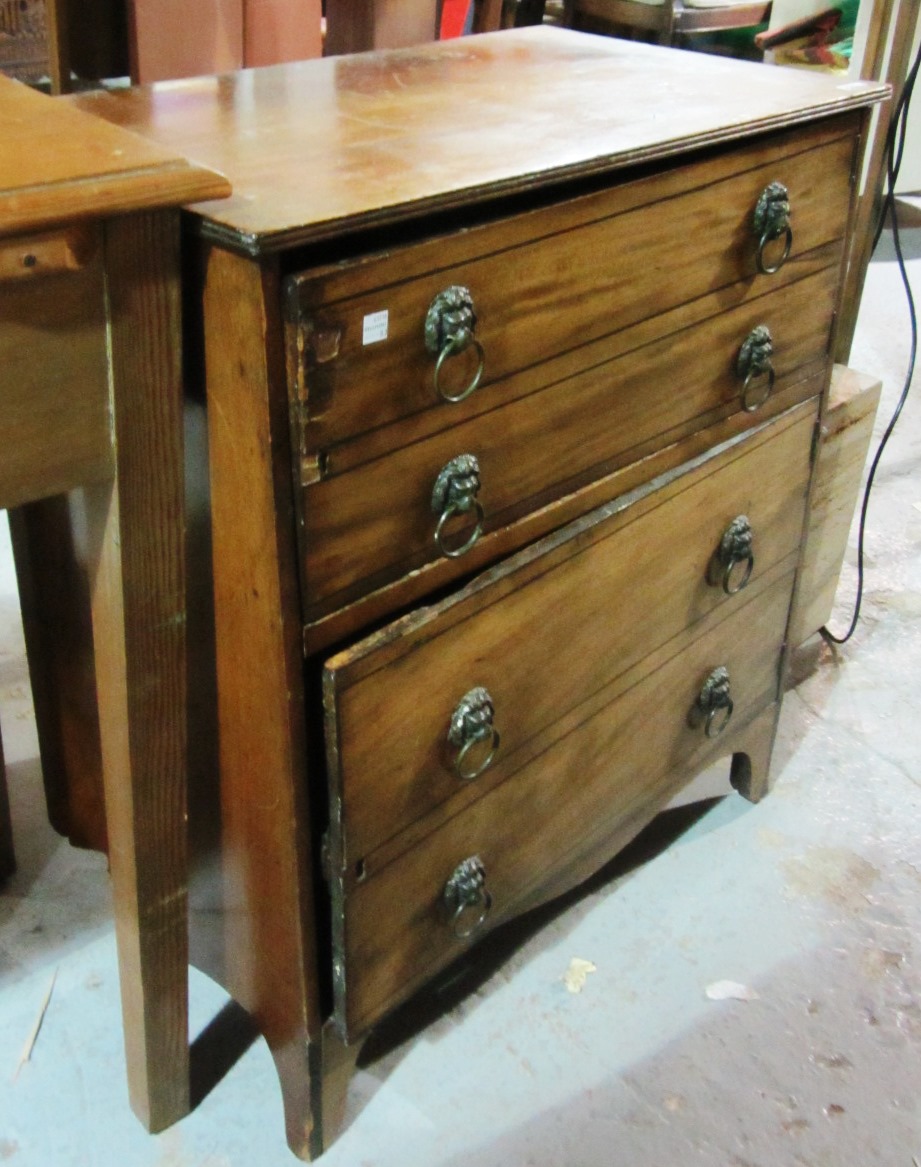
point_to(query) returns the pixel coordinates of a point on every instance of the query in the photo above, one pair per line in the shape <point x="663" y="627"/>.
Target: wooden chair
<point x="663" y="21"/>
<point x="667" y="21"/>
<point x="354" y="26"/>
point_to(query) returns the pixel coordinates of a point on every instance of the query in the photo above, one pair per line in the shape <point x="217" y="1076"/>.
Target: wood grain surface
<point x="847" y="430"/>
<point x="58" y="165"/>
<point x="375" y="522"/>
<point x="319" y="147"/>
<point x="392" y="174"/>
<point x="90" y="352"/>
<point x="270" y="957"/>
<point x="650" y="460"/>
<point x="54" y="382"/>
<point x="52" y="576"/>
<point x="611" y="770"/>
<point x="546" y="630"/>
<point x="551" y="280"/>
<point x="25" y="257"/>
<point x="138" y="581"/>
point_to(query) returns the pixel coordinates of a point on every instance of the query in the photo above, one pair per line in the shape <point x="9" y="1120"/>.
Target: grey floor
<point x="811" y="901"/>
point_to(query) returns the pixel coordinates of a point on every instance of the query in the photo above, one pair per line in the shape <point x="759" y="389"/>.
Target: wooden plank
<point x="847" y="429"/>
<point x="54" y="377"/>
<point x="136" y="536"/>
<point x="270" y="955"/>
<point x="302" y="178"/>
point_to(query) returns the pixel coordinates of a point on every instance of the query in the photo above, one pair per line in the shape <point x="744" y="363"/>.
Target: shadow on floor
<point x="470" y="973"/>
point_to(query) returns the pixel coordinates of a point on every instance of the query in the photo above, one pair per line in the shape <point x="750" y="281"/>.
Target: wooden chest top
<point x="318" y="147"/>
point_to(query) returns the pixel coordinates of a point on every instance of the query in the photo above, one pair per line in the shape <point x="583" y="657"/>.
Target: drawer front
<point x="601" y="781"/>
<point x="54" y="403"/>
<point x="549" y="281"/>
<point x="546" y="630"/>
<point x="376" y="521"/>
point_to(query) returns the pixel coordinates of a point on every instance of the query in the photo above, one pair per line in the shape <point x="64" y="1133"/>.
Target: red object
<point x="819" y="25"/>
<point x="453" y="18"/>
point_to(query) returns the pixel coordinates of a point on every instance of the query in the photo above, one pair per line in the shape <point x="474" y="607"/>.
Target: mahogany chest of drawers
<point x="514" y="350"/>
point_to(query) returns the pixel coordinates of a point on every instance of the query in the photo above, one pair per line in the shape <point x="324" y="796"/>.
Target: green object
<point x="740" y="42"/>
<point x="734" y="42"/>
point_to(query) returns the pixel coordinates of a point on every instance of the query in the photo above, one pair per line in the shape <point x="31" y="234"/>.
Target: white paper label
<point x="374" y="327"/>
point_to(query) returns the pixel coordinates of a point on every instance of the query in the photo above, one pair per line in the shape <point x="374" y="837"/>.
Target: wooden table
<point x="90" y="403"/>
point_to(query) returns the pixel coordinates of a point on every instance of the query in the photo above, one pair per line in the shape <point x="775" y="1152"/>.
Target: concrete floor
<point x="812" y="900"/>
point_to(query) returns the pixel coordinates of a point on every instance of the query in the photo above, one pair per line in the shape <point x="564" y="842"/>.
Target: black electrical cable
<point x="897" y="127"/>
<point x="894" y="152"/>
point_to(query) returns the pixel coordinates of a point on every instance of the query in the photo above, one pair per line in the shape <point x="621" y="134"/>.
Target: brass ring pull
<point x="455" y="494"/>
<point x="457" y="344"/>
<point x="749" y="403"/>
<point x="450" y="324"/>
<point x="740" y="585"/>
<point x="714" y="728"/>
<point x="713" y="706"/>
<point x="735" y="549"/>
<point x="769" y="269"/>
<point x="753" y="363"/>
<point x="466" y="895"/>
<point x="771" y="220"/>
<point x="471" y="726"/>
<point x="446" y="516"/>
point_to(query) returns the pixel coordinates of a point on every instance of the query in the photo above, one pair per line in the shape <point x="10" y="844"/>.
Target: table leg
<point x="54" y="599"/>
<point x="136" y="532"/>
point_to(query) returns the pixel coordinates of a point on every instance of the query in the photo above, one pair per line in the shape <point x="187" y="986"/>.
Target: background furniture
<point x="89" y="299"/>
<point x="354" y="26"/>
<point x="668" y="20"/>
<point x="55" y="40"/>
<point x="886" y="54"/>
<point x="224" y="35"/>
<point x="662" y="21"/>
<point x="80" y="44"/>
<point x="466" y="555"/>
<point x="847" y="430"/>
<point x="24" y="39"/>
